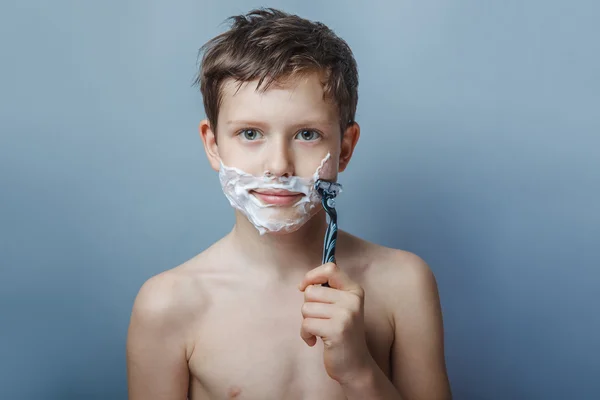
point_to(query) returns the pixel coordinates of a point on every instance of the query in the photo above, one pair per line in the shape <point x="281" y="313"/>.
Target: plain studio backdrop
<point x="479" y="152"/>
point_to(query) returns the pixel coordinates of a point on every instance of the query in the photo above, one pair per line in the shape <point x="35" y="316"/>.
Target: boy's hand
<point x="335" y="314"/>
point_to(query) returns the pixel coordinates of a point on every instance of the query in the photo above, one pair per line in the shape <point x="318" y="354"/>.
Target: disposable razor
<point x="328" y="192"/>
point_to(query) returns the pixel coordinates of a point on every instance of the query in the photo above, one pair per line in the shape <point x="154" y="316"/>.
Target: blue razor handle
<point x="328" y="192"/>
<point x="331" y="232"/>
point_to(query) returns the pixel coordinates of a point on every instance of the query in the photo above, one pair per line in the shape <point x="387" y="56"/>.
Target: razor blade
<point x="329" y="189"/>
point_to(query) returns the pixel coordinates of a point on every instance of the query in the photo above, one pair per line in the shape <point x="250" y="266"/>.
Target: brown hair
<point x="268" y="44"/>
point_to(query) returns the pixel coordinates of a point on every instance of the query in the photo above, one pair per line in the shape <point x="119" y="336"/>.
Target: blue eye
<point x="308" y="135"/>
<point x="250" y="134"/>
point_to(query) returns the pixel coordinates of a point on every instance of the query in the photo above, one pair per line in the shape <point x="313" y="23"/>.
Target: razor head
<point x="328" y="189"/>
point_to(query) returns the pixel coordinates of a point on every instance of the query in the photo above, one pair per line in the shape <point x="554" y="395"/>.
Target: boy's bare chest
<point x="252" y="349"/>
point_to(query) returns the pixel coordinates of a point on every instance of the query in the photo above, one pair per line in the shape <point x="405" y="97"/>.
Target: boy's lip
<point x="277" y="197"/>
<point x="277" y="192"/>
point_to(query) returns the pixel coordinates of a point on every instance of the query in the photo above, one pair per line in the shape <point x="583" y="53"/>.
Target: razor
<point x="328" y="192"/>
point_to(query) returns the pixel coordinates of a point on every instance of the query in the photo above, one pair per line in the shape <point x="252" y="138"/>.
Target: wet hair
<point x="270" y="45"/>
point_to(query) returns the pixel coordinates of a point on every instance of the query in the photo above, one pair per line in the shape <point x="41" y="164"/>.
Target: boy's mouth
<point x="277" y="197"/>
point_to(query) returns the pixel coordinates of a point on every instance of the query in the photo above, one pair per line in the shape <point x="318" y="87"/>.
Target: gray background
<point x="479" y="152"/>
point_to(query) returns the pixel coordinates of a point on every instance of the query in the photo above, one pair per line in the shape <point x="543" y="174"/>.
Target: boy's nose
<point x="279" y="161"/>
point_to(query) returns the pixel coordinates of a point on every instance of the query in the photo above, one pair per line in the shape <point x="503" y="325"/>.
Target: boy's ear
<point x="349" y="141"/>
<point x="209" y="140"/>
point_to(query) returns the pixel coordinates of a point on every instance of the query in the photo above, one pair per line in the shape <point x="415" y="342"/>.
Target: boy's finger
<point x="318" y="275"/>
<point x="312" y="309"/>
<point x="308" y="337"/>
<point x="320" y="294"/>
<point x="332" y="274"/>
<point x="311" y="328"/>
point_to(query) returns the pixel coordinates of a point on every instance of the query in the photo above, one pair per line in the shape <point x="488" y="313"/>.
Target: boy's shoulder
<point x="386" y="264"/>
<point x="399" y="278"/>
<point x="172" y="297"/>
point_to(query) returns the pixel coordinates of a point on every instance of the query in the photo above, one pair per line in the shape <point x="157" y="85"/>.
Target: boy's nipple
<point x="234" y="392"/>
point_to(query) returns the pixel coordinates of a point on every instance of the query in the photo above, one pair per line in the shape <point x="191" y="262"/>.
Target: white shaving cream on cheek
<point x="238" y="185"/>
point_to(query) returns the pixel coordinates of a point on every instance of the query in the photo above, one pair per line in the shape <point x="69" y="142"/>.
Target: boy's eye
<point x="307" y="135"/>
<point x="250" y="134"/>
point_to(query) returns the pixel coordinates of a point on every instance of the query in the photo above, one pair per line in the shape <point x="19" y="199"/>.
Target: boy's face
<point x="286" y="130"/>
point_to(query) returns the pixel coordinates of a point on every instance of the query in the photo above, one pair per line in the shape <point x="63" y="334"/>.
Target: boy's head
<point x="269" y="45"/>
<point x="282" y="92"/>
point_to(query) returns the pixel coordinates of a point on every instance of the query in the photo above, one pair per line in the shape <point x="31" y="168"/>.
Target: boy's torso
<point x="246" y="340"/>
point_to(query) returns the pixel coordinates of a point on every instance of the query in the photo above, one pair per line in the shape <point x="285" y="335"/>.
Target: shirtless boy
<point x="248" y="317"/>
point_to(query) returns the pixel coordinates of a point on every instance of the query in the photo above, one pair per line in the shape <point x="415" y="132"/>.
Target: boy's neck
<point x="286" y="255"/>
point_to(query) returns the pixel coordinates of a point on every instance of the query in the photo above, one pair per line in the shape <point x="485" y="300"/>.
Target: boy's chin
<point x="286" y="230"/>
<point x="289" y="228"/>
<point x="281" y="221"/>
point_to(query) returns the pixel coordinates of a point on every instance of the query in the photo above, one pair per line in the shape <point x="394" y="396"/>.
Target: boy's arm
<point x="418" y="362"/>
<point x="156" y="350"/>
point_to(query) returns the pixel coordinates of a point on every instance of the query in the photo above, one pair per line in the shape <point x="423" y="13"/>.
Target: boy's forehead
<point x="298" y="94"/>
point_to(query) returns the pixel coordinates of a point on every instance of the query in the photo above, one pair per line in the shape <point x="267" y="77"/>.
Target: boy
<point x="249" y="318"/>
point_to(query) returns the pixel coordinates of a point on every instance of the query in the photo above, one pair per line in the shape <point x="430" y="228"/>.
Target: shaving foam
<point x="238" y="185"/>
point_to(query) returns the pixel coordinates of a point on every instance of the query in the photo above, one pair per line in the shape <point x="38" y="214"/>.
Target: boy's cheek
<point x="306" y="166"/>
<point x="329" y="170"/>
<point x="235" y="156"/>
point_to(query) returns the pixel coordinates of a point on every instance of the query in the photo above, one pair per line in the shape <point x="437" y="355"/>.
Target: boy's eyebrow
<point x="242" y="122"/>
<point x="304" y="123"/>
